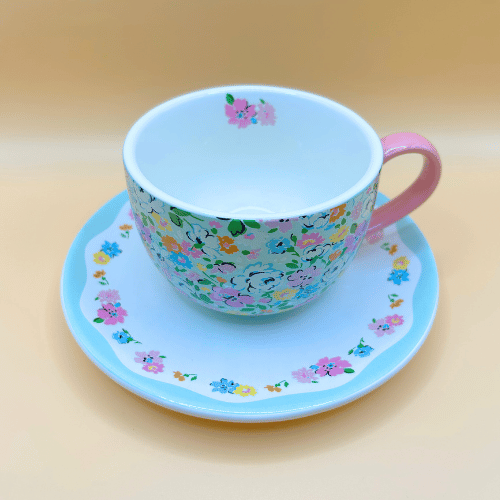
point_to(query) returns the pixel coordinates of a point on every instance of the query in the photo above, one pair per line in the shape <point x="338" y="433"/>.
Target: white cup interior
<point x="316" y="155"/>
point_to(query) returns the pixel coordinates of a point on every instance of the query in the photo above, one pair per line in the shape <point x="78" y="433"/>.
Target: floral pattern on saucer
<point x="159" y="360"/>
<point x="252" y="267"/>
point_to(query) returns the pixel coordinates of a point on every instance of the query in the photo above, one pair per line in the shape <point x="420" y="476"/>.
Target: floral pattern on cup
<point x="243" y="114"/>
<point x="251" y="267"/>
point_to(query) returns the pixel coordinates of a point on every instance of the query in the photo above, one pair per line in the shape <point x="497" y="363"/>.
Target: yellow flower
<point x="201" y="267"/>
<point x="99" y="274"/>
<point x="163" y="223"/>
<point x="401" y="263"/>
<point x="285" y="294"/>
<point x="101" y="258"/>
<point x="340" y="234"/>
<point x="126" y="227"/>
<point x="205" y="289"/>
<point x="245" y="390"/>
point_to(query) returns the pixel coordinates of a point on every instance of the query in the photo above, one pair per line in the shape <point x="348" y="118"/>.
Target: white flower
<point x="200" y="235"/>
<point x="258" y="277"/>
<point x="316" y="221"/>
<point x="309" y="253"/>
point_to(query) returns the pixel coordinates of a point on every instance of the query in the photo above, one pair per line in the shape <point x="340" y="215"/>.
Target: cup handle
<point x="395" y="209"/>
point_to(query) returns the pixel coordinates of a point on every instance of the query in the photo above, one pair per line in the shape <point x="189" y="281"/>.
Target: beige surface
<point x="76" y="75"/>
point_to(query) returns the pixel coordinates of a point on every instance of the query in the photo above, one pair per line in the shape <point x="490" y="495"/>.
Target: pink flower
<point x="216" y="224"/>
<point x="153" y="367"/>
<point x="239" y="113"/>
<point x="265" y="114"/>
<point x="304" y="375"/>
<point x="303" y="277"/>
<point x="332" y="367"/>
<point x="193" y="276"/>
<point x="111" y="314"/>
<point x="188" y="249"/>
<point x="353" y="240"/>
<point x="145" y="232"/>
<point x="357" y="210"/>
<point x="109" y="296"/>
<point x="394" y="320"/>
<point x="253" y="254"/>
<point x="265" y="300"/>
<point x="231" y="297"/>
<point x="381" y="327"/>
<point x="375" y="237"/>
<point x="284" y="225"/>
<point x="250" y="236"/>
<point x="225" y="268"/>
<point x="310" y="239"/>
<point x="148" y="357"/>
<point x="131" y="214"/>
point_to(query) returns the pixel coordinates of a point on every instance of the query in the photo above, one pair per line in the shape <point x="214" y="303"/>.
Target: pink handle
<point x="400" y="144"/>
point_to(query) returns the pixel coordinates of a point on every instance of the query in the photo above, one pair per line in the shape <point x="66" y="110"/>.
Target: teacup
<point x="254" y="199"/>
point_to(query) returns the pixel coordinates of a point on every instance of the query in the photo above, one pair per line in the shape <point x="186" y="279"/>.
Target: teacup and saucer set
<point x="252" y="272"/>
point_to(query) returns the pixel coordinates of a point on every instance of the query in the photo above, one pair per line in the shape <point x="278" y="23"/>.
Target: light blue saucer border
<point x="284" y="407"/>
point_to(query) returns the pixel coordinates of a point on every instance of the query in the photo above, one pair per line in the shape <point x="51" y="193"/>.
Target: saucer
<point x="167" y="349"/>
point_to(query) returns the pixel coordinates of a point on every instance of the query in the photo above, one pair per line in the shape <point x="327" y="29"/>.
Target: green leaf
<point x="394" y="294"/>
<point x="123" y="236"/>
<point x="295" y="260"/>
<point x="214" y="231"/>
<point x="160" y="243"/>
<point x="236" y="227"/>
<point x="290" y="249"/>
<point x="351" y="351"/>
<point x="194" y="378"/>
<point x="124" y="331"/>
<point x="98" y="320"/>
<point x="348" y="370"/>
<point x="163" y="357"/>
<point x="199" y="245"/>
<point x="175" y="219"/>
<point x="289" y="272"/>
<point x="262" y="101"/>
<point x="209" y="266"/>
<point x="294" y="239"/>
<point x="207" y="260"/>
<point x="205" y="282"/>
<point x="180" y="212"/>
<point x="158" y="233"/>
<point x="218" y="262"/>
<point x="151" y="220"/>
<point x="291" y="266"/>
<point x="229" y="99"/>
<point x="343" y="221"/>
<point x="277" y="385"/>
<point x="273" y="230"/>
<point x="205" y="299"/>
<point x="374" y="320"/>
<point x="353" y="227"/>
<point x="247" y="309"/>
<point x="314" y="381"/>
<point x="304" y="230"/>
<point x="97" y="298"/>
<point x="245" y="252"/>
<point x="286" y="384"/>
<point x="260" y="306"/>
<point x="196" y="287"/>
<point x="348" y="213"/>
<point x="189" y="282"/>
<point x="251" y="223"/>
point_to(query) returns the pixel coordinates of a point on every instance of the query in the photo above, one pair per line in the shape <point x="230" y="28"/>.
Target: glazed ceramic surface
<point x="266" y="194"/>
<point x="152" y="340"/>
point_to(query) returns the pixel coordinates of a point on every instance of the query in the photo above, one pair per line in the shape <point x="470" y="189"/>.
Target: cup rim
<point x="135" y="172"/>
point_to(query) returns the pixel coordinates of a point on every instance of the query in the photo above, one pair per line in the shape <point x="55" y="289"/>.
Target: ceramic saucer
<point x="162" y="346"/>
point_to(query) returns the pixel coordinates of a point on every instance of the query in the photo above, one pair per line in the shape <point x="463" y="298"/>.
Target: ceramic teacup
<point x="254" y="199"/>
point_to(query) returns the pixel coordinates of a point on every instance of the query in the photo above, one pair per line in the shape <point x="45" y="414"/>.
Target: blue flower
<point x="180" y="259"/>
<point x="121" y="337"/>
<point x="307" y="291"/>
<point x="364" y="351"/>
<point x="253" y="120"/>
<point x="278" y="246"/>
<point x="111" y="249"/>
<point x="224" y="386"/>
<point x="398" y="275"/>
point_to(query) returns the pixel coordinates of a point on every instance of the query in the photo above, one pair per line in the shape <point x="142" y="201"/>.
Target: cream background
<point x="76" y="75"/>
